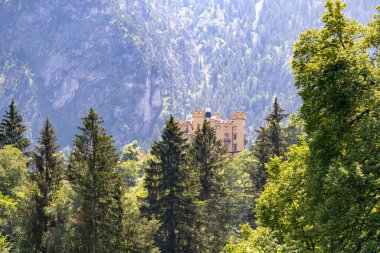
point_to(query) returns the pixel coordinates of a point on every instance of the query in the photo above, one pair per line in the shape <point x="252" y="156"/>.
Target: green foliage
<point x="339" y="89"/>
<point x="271" y="142"/>
<point x="131" y="152"/>
<point x="274" y="121"/>
<point x="132" y="171"/>
<point x="13" y="178"/>
<point x="131" y="164"/>
<point x="12" y="170"/>
<point x="12" y="129"/>
<point x="47" y="174"/>
<point x="24" y="219"/>
<point x="95" y="179"/>
<point x="15" y="191"/>
<point x="207" y="157"/>
<point x="139" y="232"/>
<point x="260" y="240"/>
<point x="336" y="94"/>
<point x="168" y="186"/>
<point x="294" y="131"/>
<point x="5" y="246"/>
<point x="8" y="211"/>
<point x="372" y="40"/>
<point x="241" y="188"/>
<point x="282" y="203"/>
<point x="324" y="196"/>
<point x="262" y="151"/>
<point x="314" y="193"/>
<point x="62" y="213"/>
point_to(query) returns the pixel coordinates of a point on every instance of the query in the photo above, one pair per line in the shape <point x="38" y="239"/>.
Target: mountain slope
<point x="137" y="61"/>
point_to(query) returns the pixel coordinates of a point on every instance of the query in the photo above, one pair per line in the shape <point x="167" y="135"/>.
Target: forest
<point x="310" y="182"/>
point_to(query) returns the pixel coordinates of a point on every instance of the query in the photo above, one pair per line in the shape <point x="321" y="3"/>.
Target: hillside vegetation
<point x="137" y="61"/>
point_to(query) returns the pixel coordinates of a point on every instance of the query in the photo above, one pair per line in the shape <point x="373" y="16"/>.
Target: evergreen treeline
<point x="80" y="203"/>
<point x="180" y="198"/>
<point x="309" y="186"/>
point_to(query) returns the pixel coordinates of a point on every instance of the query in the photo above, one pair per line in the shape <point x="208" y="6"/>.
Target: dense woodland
<point x="309" y="183"/>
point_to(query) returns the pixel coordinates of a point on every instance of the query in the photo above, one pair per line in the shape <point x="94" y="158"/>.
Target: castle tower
<point x="238" y="131"/>
<point x="198" y="118"/>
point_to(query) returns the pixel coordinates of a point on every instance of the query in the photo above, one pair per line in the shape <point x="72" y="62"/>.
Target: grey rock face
<point x="137" y="61"/>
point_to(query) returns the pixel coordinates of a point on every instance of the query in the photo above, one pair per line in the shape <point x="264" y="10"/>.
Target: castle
<point x="231" y="132"/>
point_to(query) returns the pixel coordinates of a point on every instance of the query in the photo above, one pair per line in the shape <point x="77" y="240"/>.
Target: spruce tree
<point x="167" y="182"/>
<point x="262" y="150"/>
<point x="275" y="131"/>
<point x="96" y="180"/>
<point x="208" y="158"/>
<point x="269" y="143"/>
<point x="12" y="130"/>
<point x="47" y="175"/>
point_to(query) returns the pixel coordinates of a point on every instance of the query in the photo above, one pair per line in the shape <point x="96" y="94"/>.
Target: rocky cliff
<point x="137" y="61"/>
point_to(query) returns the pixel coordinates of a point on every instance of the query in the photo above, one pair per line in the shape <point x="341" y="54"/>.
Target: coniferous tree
<point x="269" y="143"/>
<point x="47" y="175"/>
<point x="208" y="159"/>
<point x="167" y="182"/>
<point x="96" y="180"/>
<point x="118" y="210"/>
<point x="262" y="150"/>
<point x="152" y="183"/>
<point x="275" y="131"/>
<point x="12" y="130"/>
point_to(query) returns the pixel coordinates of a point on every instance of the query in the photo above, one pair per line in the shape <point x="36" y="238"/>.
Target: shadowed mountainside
<point x="137" y="61"/>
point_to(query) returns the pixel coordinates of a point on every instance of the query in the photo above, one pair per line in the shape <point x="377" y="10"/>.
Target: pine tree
<point x="208" y="158"/>
<point x="48" y="174"/>
<point x="167" y="182"/>
<point x="12" y="129"/>
<point x="96" y="180"/>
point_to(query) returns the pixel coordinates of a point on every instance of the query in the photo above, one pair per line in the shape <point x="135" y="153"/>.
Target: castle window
<point x="235" y="147"/>
<point x="235" y="137"/>
<point x="226" y="135"/>
<point x="226" y="128"/>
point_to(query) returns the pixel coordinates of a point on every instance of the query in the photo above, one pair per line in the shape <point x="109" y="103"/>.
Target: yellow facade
<point x="231" y="132"/>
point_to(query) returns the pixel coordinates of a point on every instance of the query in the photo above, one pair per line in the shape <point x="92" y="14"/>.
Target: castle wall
<point x="231" y="132"/>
